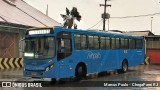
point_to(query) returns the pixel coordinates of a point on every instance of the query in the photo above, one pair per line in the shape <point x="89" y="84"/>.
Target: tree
<point x="70" y="17"/>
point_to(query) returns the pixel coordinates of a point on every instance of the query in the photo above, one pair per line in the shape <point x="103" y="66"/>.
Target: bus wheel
<point x="124" y="67"/>
<point x="53" y="80"/>
<point x="80" y="72"/>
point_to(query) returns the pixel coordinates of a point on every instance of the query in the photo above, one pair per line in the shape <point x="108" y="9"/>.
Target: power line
<point x="99" y="25"/>
<point x="95" y="24"/>
<point x="146" y="15"/>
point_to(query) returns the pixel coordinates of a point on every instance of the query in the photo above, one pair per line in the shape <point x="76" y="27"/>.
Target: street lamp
<point x="151" y="23"/>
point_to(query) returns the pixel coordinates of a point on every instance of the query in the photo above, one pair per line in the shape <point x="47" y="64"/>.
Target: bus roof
<point x="95" y="32"/>
<point x="36" y="28"/>
<point x="89" y="32"/>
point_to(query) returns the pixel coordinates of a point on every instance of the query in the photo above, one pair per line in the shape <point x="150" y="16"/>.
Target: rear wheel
<point x="81" y="72"/>
<point x="124" y="67"/>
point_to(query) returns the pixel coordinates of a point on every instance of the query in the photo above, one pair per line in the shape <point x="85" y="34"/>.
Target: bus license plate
<point x="34" y="73"/>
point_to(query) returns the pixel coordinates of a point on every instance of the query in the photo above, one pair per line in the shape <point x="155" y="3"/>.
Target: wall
<point x="10" y="40"/>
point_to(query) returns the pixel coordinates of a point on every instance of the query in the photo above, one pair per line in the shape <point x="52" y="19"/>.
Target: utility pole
<point x="105" y="15"/>
<point x="108" y="24"/>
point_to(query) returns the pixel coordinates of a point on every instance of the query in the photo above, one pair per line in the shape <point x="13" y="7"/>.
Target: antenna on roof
<point x="47" y="10"/>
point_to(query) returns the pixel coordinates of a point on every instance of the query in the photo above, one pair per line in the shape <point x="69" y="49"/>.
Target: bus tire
<point x="124" y="67"/>
<point x="53" y="80"/>
<point x="80" y="72"/>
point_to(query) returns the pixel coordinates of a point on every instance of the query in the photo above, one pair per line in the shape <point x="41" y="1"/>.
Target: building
<point x="153" y="48"/>
<point x="140" y="33"/>
<point x="15" y="17"/>
<point x="152" y="44"/>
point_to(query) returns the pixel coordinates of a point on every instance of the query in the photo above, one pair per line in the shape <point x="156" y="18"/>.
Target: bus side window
<point x="80" y="42"/>
<point x="113" y="43"/>
<point x="108" y="43"/>
<point x="103" y="43"/>
<point x="83" y="42"/>
<point x="132" y="43"/>
<point x="96" y="42"/>
<point x="138" y="44"/>
<point x="122" y="43"/>
<point x="117" y="43"/>
<point x="91" y="43"/>
<point x="126" y="43"/>
<point x="77" y="42"/>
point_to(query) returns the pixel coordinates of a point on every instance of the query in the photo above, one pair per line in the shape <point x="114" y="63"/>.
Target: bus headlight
<point x="47" y="69"/>
<point x="51" y="66"/>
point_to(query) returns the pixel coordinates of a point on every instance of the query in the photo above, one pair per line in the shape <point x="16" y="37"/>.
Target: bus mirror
<point x="21" y="45"/>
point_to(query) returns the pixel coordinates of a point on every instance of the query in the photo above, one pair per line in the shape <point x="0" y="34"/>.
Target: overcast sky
<point x="91" y="13"/>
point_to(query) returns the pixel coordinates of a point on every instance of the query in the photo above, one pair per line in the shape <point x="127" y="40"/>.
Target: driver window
<point x="64" y="45"/>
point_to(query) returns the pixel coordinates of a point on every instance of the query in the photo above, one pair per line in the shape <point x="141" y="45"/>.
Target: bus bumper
<point x="40" y="74"/>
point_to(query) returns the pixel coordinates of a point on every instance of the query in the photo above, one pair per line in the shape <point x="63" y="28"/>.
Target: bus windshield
<point x="39" y="48"/>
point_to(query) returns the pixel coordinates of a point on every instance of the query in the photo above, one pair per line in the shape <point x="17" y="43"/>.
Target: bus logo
<point x="92" y="55"/>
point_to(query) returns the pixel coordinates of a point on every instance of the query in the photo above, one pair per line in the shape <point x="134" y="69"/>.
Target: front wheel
<point x="81" y="72"/>
<point x="124" y="67"/>
<point x="53" y="80"/>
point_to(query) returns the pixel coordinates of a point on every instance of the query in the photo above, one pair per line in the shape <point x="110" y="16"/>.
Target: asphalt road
<point x="135" y="78"/>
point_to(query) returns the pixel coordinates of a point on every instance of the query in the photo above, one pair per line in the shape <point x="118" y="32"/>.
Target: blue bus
<point x="61" y="52"/>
